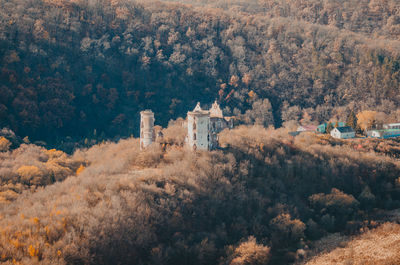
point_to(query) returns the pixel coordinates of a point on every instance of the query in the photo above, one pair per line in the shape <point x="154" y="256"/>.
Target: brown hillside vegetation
<point x="29" y="167"/>
<point x="261" y="198"/>
<point x="377" y="246"/>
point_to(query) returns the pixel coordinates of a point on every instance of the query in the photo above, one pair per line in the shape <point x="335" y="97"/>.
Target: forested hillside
<point x="263" y="199"/>
<point x="376" y="17"/>
<point x="74" y="74"/>
<point x="72" y="70"/>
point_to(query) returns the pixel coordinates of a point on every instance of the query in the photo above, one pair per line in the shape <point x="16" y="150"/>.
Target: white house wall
<point x="337" y="134"/>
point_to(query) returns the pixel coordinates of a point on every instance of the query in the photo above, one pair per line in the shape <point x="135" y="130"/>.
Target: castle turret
<point x="215" y="111"/>
<point x="217" y="124"/>
<point x="198" y="128"/>
<point x="146" y="128"/>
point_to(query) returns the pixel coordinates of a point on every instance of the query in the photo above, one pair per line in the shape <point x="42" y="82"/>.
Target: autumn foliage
<point x="71" y="67"/>
<point x="264" y="197"/>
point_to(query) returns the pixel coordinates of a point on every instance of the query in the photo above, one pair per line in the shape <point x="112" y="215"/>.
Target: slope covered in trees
<point x="84" y="69"/>
<point x="372" y="17"/>
<point x="258" y="200"/>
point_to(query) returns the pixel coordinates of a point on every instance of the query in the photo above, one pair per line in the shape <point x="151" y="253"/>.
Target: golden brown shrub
<point x="30" y="174"/>
<point x="175" y="133"/>
<point x="4" y="144"/>
<point x="251" y="253"/>
<point x="377" y="246"/>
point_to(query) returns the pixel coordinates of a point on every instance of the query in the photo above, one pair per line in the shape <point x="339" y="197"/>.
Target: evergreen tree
<point x="329" y="128"/>
<point x="352" y="120"/>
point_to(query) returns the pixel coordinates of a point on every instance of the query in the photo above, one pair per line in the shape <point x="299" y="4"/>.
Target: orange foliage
<point x="252" y="94"/>
<point x="33" y="252"/>
<point x="27" y="173"/>
<point x="234" y="80"/>
<point x="80" y="169"/>
<point x="4" y="144"/>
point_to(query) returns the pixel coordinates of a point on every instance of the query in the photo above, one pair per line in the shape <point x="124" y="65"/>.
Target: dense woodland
<point x="265" y="197"/>
<point x="372" y="17"/>
<point x="76" y="69"/>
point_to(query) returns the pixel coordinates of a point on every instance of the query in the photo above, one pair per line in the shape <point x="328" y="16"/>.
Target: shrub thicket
<point x="261" y="198"/>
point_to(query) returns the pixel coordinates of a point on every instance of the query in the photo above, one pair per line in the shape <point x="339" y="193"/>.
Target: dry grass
<point x="377" y="246"/>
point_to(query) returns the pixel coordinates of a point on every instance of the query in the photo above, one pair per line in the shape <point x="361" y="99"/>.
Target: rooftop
<point x="384" y="130"/>
<point x="345" y="129"/>
<point x="198" y="110"/>
<point x="147" y="111"/>
<point x="309" y="127"/>
<point x="393" y="124"/>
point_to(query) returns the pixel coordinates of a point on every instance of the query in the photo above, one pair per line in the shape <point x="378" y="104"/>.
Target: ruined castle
<point x="203" y="127"/>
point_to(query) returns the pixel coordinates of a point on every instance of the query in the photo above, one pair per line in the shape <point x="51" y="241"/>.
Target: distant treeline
<point x="258" y="200"/>
<point x="84" y="69"/>
<point x="372" y="17"/>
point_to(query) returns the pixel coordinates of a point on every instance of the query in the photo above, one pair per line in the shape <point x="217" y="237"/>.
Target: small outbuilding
<point x="392" y="126"/>
<point x="388" y="133"/>
<point x="345" y="132"/>
<point x="307" y="128"/>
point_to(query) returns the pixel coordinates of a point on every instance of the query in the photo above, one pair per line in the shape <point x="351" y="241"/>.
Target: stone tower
<point x="217" y="124"/>
<point x="146" y="128"/>
<point x="198" y="128"/>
